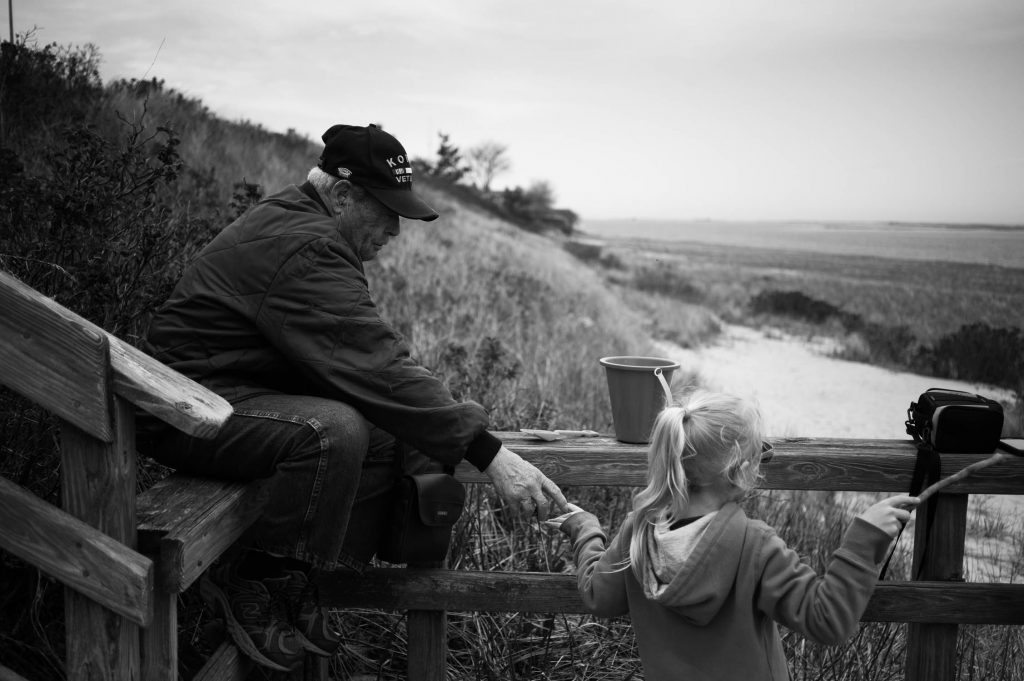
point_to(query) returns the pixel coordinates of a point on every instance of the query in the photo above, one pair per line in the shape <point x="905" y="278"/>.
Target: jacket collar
<point x="309" y="190"/>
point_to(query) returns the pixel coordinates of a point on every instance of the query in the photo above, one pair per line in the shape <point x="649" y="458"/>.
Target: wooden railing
<point x="934" y="606"/>
<point x="123" y="584"/>
<point x="93" y="381"/>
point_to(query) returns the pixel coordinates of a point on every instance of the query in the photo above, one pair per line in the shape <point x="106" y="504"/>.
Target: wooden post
<point x="98" y="483"/>
<point x="160" y="640"/>
<point x="931" y="648"/>
<point x="428" y="645"/>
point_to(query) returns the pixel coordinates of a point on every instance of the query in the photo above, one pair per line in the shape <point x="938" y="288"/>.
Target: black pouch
<point x="954" y="421"/>
<point x="425" y="508"/>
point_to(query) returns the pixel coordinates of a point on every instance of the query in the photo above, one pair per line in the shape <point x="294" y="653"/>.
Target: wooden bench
<point x="185" y="524"/>
<point x="125" y="560"/>
<point x="118" y="586"/>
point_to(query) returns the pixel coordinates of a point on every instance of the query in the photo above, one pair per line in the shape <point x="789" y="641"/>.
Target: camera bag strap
<point x="927" y="469"/>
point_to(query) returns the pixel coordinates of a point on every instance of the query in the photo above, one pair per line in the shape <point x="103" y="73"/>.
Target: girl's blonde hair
<point x="700" y="439"/>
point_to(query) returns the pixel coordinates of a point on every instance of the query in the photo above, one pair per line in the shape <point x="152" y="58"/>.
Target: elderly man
<point x="275" y="315"/>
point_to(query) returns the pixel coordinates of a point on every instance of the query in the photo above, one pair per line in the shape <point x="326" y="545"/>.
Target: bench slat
<point x="189" y="522"/>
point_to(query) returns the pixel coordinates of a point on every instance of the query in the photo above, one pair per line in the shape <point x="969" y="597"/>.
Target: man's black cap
<point x="377" y="162"/>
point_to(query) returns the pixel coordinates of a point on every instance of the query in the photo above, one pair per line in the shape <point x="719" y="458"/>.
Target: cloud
<point x="743" y="100"/>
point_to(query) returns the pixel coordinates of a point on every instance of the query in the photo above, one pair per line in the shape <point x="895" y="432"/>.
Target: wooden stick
<point x="961" y="474"/>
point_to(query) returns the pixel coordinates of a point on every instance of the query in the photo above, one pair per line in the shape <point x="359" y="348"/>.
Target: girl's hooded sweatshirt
<point x="707" y="606"/>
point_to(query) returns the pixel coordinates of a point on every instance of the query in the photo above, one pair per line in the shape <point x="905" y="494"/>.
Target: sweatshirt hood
<point x="692" y="569"/>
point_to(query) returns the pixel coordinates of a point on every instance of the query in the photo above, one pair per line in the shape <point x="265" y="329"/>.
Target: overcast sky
<point x="759" y="109"/>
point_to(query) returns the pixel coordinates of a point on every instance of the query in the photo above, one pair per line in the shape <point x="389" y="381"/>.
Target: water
<point x="945" y="243"/>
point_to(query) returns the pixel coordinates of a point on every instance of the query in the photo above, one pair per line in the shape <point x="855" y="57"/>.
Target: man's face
<point x="369" y="223"/>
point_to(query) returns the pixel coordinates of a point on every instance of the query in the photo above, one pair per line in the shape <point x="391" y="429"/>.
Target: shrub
<point x="977" y="352"/>
<point x="45" y="88"/>
<point x="890" y="345"/>
<point x="801" y="306"/>
<point x="664" y="279"/>
<point x="92" y="231"/>
<point x="586" y="252"/>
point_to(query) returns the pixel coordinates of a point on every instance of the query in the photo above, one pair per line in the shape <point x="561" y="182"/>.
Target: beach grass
<point x="932" y="298"/>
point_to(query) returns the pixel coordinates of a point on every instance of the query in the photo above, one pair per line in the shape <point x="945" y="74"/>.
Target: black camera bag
<point x="955" y="422"/>
<point x="950" y="422"/>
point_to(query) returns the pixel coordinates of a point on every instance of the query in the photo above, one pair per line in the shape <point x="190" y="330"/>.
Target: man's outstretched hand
<point x="522" y="487"/>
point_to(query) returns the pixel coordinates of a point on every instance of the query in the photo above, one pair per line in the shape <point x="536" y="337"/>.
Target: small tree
<point x="529" y="207"/>
<point x="449" y="160"/>
<point x="541" y="194"/>
<point x="486" y="161"/>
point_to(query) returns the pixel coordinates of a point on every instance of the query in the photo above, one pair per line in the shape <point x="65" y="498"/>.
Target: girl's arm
<point x="824" y="608"/>
<point x="600" y="573"/>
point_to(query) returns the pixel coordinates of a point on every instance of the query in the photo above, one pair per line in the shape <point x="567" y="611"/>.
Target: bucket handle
<point x="664" y="385"/>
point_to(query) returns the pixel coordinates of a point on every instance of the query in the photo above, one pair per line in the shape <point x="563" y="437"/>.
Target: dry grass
<point x="508" y="319"/>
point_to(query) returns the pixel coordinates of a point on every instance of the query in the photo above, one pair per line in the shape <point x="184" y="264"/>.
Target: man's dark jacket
<point x="278" y="303"/>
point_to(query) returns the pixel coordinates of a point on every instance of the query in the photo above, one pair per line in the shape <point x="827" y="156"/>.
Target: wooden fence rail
<point x="934" y="607"/>
<point x="126" y="559"/>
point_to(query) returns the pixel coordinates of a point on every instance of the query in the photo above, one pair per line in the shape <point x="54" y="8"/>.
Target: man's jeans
<point x="331" y="473"/>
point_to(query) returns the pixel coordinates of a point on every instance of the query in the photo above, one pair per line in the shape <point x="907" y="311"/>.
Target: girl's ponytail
<point x="700" y="439"/>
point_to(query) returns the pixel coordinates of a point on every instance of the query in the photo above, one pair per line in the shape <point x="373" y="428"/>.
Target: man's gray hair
<point x="323" y="181"/>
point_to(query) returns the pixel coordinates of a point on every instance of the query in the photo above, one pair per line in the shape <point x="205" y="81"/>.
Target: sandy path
<point x="803" y="392"/>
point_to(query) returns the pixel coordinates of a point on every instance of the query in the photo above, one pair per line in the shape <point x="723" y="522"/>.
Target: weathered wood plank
<point x="946" y="603"/>
<point x="159" y="643"/>
<point x="56" y="362"/>
<point x="471" y="591"/>
<point x="428" y="645"/>
<point x="75" y="553"/>
<point x="798" y="463"/>
<point x="189" y="522"/>
<point x="137" y="377"/>
<point x="938" y="555"/>
<point x="165" y="393"/>
<point x="98" y="483"/>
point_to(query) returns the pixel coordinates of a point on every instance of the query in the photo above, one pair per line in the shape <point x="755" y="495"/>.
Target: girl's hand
<point x="890" y="515"/>
<point x="556" y="522"/>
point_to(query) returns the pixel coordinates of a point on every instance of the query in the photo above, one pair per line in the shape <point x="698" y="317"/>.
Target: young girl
<point x="704" y="584"/>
